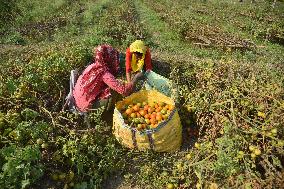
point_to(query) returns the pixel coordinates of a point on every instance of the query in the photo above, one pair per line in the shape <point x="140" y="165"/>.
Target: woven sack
<point x="166" y="137"/>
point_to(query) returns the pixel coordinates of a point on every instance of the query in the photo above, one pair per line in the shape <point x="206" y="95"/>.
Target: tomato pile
<point x="144" y="115"/>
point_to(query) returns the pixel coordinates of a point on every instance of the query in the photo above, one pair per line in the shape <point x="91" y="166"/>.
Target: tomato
<point x="129" y="111"/>
<point x="133" y="115"/>
<point x="139" y="127"/>
<point x="251" y="148"/>
<point x="257" y="152"/>
<point x="143" y="112"/>
<point x="138" y="104"/>
<point x="150" y="110"/>
<point x="156" y="105"/>
<point x="146" y="107"/>
<point x="44" y="145"/>
<point x="39" y="141"/>
<point x="153" y="115"/>
<point x="158" y="109"/>
<point x="163" y="111"/>
<point x="170" y="186"/>
<point x="188" y="156"/>
<point x="152" y="105"/>
<point x="136" y="108"/>
<point x="171" y="107"/>
<point x="138" y="114"/>
<point x="165" y="117"/>
<point x="274" y="131"/>
<point x="147" y="121"/>
<point x="153" y="126"/>
<point x="197" y="145"/>
<point x="159" y="113"/>
<point x="144" y="126"/>
<point x="147" y="116"/>
<point x="153" y="120"/>
<point x="159" y="118"/>
<point x="253" y="155"/>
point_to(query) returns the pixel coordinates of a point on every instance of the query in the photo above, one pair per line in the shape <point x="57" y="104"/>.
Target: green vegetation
<point x="225" y="56"/>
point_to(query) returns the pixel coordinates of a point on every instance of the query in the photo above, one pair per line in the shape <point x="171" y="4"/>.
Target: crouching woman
<point x="94" y="87"/>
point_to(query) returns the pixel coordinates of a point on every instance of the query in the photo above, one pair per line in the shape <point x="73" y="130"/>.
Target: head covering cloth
<point x="106" y="59"/>
<point x="137" y="46"/>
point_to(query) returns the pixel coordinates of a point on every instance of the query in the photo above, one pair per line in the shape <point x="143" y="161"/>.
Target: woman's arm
<point x="113" y="83"/>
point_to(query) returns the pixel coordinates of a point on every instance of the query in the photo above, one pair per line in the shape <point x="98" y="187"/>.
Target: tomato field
<point x="225" y="57"/>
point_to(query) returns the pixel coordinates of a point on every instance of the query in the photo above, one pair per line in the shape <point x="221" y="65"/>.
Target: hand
<point x="139" y="76"/>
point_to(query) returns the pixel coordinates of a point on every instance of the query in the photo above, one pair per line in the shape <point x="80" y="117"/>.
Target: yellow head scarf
<point x="137" y="46"/>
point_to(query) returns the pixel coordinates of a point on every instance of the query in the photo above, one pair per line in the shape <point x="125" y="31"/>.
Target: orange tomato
<point x="158" y="113"/>
<point x="171" y="107"/>
<point x="147" y="116"/>
<point x="153" y="115"/>
<point x="158" y="109"/>
<point x="143" y="112"/>
<point x="153" y="120"/>
<point x="159" y="117"/>
<point x="138" y="114"/>
<point x="153" y="126"/>
<point x="150" y="109"/>
<point x="146" y="107"/>
<point x="136" y="108"/>
<point x="156" y="105"/>
<point x="129" y="111"/>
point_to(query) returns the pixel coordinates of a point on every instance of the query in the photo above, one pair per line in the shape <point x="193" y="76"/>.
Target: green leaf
<point x="82" y="185"/>
<point x="276" y="162"/>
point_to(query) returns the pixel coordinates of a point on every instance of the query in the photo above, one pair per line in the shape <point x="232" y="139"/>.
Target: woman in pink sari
<point x="93" y="87"/>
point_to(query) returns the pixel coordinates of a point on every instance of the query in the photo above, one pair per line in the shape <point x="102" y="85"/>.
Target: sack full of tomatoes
<point x="148" y="120"/>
